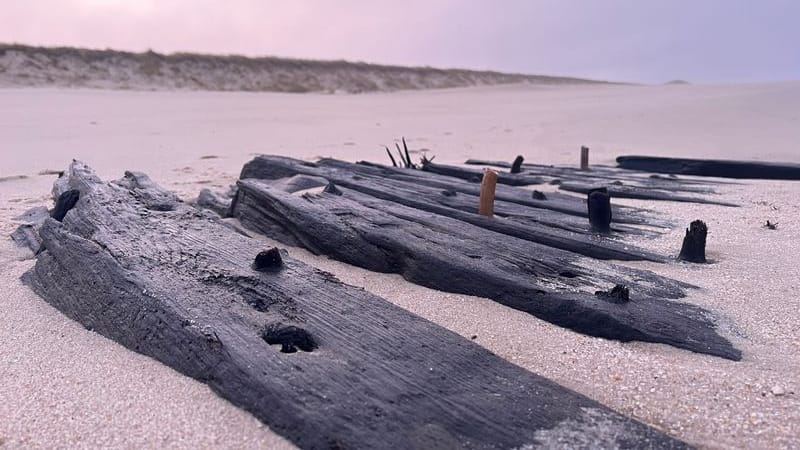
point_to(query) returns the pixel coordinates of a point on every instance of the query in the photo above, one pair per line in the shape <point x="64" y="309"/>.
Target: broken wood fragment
<point x="409" y="164"/>
<point x="516" y="166"/>
<point x="694" y="243"/>
<point x="213" y="201"/>
<point x="394" y="163"/>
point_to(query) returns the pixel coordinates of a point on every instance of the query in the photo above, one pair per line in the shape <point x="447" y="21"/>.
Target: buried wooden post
<point x="599" y="205"/>
<point x="516" y="166"/>
<point x="488" y="186"/>
<point x="694" y="243"/>
<point x="584" y="158"/>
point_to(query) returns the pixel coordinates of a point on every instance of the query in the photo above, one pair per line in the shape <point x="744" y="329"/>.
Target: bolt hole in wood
<point x="288" y="338"/>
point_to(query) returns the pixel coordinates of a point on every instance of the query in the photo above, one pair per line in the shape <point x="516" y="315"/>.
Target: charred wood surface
<point x="598" y="174"/>
<point x="554" y="201"/>
<point x="693" y="248"/>
<point x="534" y="224"/>
<point x="322" y="363"/>
<point x="452" y="255"/>
<point x="475" y="175"/>
<point x="645" y="188"/>
<point x="712" y="168"/>
<point x="641" y="193"/>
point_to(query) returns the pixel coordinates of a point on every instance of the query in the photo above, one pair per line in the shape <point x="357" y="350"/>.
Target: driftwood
<point x="516" y="166"/>
<point x="712" y="168"/>
<point x="452" y="255"/>
<point x="324" y="364"/>
<point x="535" y="227"/>
<point x="27" y="233"/>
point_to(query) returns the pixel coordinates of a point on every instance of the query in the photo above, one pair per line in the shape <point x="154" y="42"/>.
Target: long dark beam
<point x="642" y="193"/>
<point x="712" y="167"/>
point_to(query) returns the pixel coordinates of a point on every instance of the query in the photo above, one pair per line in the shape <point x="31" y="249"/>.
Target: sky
<point x="649" y="41"/>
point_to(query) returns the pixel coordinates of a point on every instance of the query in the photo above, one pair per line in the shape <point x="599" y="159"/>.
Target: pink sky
<point x="652" y="40"/>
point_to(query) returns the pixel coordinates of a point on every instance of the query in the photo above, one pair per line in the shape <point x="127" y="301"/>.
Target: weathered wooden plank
<point x="322" y="363"/>
<point x="598" y="172"/>
<point x="542" y="231"/>
<point x="555" y="201"/>
<point x="641" y="193"/>
<point x="510" y="179"/>
<point x="652" y="190"/>
<point x="712" y="167"/>
<point x="452" y="255"/>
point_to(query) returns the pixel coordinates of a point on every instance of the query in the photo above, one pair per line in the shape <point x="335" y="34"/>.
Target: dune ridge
<point x="26" y="66"/>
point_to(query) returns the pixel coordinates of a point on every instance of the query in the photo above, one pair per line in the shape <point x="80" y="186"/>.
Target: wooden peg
<point x="584" y="158"/>
<point x="488" y="186"/>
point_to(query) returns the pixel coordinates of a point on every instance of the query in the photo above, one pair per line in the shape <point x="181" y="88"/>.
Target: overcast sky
<point x="627" y="40"/>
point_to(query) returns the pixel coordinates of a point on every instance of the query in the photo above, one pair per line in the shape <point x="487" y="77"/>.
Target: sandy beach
<point x="64" y="386"/>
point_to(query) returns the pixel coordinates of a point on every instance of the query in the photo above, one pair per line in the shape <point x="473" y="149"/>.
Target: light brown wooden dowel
<point x="488" y="186"/>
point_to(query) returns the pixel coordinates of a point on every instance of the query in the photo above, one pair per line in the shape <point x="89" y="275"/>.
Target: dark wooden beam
<point x="322" y="363"/>
<point x="712" y="167"/>
<point x="452" y="255"/>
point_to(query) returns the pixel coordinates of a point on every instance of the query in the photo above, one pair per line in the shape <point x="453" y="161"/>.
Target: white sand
<point x="64" y="385"/>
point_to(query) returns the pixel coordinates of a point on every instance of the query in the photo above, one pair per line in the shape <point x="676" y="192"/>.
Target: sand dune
<point x="108" y="69"/>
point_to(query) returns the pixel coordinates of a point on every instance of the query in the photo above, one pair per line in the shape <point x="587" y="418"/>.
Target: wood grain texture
<point x="618" y="183"/>
<point x="136" y="265"/>
<point x="533" y="223"/>
<point x="454" y="255"/>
